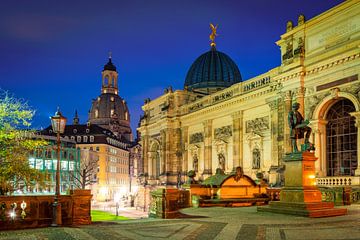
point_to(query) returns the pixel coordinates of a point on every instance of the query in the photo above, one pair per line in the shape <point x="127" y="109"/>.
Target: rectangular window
<point x="64" y="165"/>
<point x="31" y="162"/>
<point x="48" y="164"/>
<point x="71" y="166"/>
<point x="97" y="149"/>
<point x="39" y="164"/>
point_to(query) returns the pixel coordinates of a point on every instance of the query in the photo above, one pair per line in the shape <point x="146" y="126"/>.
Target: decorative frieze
<point x="257" y="125"/>
<point x="196" y="138"/>
<point x="223" y="132"/>
<point x="223" y="96"/>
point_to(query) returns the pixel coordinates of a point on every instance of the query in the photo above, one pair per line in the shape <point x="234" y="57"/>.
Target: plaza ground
<point x="208" y="223"/>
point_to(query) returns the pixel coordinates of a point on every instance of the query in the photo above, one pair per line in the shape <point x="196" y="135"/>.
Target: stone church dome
<point x="212" y="71"/>
<point x="109" y="110"/>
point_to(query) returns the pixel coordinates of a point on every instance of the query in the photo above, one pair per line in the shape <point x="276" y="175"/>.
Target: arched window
<point x="341" y="139"/>
<point x="256" y="159"/>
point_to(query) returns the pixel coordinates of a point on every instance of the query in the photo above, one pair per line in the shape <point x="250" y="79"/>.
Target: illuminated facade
<point x="45" y="160"/>
<point x="220" y="121"/>
<point x="106" y="137"/>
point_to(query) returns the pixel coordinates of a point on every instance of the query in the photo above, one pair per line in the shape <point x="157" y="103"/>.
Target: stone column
<point x="357" y="124"/>
<point x="185" y="146"/>
<point x="145" y="149"/>
<point x="287" y="109"/>
<point x="208" y="148"/>
<point x="300" y="98"/>
<point x="319" y="139"/>
<point x="237" y="139"/>
<point x="274" y="132"/>
<point x="163" y="151"/>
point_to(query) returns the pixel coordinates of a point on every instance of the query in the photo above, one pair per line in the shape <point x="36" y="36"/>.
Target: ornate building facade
<point x="220" y="121"/>
<point x="105" y="139"/>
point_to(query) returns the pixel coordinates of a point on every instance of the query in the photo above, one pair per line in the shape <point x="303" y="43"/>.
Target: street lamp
<point x="58" y="123"/>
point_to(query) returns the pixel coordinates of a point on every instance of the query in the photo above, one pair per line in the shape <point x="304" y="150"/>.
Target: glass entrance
<point x="341" y="139"/>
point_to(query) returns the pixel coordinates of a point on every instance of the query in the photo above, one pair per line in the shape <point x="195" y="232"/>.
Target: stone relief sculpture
<point x="196" y="138"/>
<point x="298" y="128"/>
<point x="257" y="125"/>
<point x="223" y="132"/>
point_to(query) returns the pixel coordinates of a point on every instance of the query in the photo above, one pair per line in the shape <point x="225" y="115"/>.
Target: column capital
<point x="357" y="118"/>
<point x="237" y="114"/>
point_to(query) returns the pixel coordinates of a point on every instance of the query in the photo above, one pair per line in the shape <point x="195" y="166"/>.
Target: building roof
<point x="100" y="134"/>
<point x="214" y="70"/>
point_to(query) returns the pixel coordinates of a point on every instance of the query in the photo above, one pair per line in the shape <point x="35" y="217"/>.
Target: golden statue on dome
<point x="213" y="34"/>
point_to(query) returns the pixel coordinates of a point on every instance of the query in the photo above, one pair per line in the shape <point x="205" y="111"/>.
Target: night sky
<point x="52" y="52"/>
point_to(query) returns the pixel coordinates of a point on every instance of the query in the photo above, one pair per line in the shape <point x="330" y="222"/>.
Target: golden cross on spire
<point x="213" y="34"/>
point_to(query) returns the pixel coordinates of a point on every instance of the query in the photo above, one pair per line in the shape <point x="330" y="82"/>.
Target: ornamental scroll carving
<point x="257" y="125"/>
<point x="223" y="132"/>
<point x="196" y="138"/>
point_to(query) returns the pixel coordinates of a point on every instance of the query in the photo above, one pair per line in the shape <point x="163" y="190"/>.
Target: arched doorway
<point x="341" y="139"/>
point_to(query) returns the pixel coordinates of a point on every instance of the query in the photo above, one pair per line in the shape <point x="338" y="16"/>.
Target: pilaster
<point x="208" y="147"/>
<point x="237" y="139"/>
<point x="357" y="124"/>
<point x="287" y="109"/>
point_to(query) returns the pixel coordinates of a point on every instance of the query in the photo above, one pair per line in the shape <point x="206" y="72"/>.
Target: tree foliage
<point x="15" y="145"/>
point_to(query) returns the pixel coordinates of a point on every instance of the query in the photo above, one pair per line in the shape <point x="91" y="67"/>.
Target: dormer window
<point x="75" y="131"/>
<point x="87" y="130"/>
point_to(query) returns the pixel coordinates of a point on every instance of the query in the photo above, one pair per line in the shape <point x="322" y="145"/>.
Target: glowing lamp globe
<point x="58" y="122"/>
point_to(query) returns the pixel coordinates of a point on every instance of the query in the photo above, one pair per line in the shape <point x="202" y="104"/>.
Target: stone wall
<point x="75" y="210"/>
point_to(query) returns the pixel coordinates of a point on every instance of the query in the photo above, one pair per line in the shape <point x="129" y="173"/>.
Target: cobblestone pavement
<point x="210" y="223"/>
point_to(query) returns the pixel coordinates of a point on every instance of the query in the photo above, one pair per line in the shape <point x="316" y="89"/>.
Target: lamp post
<point x="58" y="123"/>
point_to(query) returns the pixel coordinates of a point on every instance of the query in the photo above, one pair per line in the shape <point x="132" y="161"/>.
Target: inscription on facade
<point x="259" y="83"/>
<point x="257" y="125"/>
<point x="223" y="132"/>
<point x="196" y="138"/>
<point x="196" y="106"/>
<point x="335" y="34"/>
<point x="223" y="96"/>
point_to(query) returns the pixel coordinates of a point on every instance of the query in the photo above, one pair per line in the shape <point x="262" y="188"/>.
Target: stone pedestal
<point x="300" y="196"/>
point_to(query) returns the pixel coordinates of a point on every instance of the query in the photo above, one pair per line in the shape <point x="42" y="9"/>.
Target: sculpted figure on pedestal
<point x="298" y="128"/>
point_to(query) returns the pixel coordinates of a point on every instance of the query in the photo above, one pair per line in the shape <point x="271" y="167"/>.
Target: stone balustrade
<point x="338" y="181"/>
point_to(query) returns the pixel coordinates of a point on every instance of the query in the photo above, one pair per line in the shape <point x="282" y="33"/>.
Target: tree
<point x="15" y="145"/>
<point x="84" y="175"/>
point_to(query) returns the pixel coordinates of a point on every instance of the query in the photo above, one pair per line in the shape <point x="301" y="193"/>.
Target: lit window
<point x="112" y="99"/>
<point x="96" y="113"/>
<point x="64" y="165"/>
<point x="39" y="164"/>
<point x="126" y="116"/>
<point x="71" y="166"/>
<point x="111" y="112"/>
<point x="48" y="164"/>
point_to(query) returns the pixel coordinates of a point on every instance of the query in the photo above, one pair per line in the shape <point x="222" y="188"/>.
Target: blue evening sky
<point x="52" y="52"/>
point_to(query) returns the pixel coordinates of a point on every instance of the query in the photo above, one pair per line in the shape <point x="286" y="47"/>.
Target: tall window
<point x="341" y="139"/>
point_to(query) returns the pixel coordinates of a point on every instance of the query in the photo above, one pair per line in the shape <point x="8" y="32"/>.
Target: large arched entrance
<point x="341" y="139"/>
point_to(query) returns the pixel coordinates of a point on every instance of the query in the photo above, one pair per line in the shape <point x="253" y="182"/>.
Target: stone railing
<point x="18" y="212"/>
<point x="338" y="181"/>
